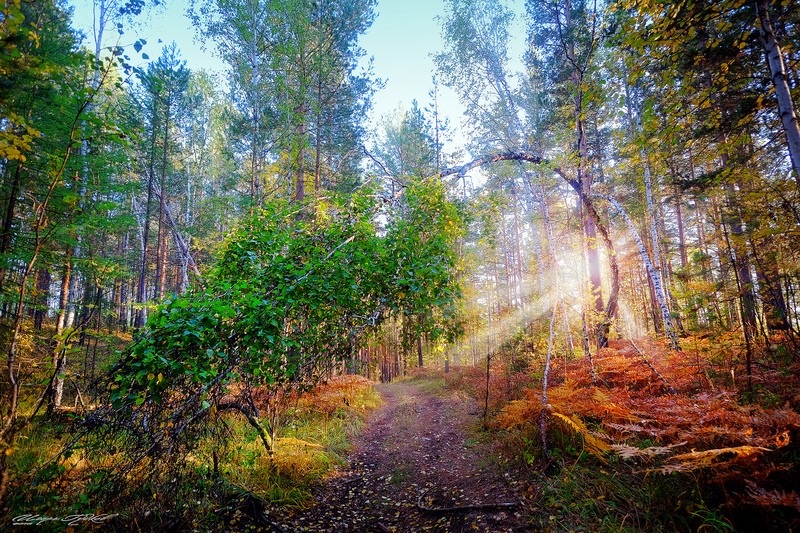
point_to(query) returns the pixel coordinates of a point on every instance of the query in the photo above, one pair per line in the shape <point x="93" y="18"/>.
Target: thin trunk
<point x="681" y="233"/>
<point x="300" y="177"/>
<point x="420" y="363"/>
<point x="655" y="279"/>
<point x="741" y="263"/>
<point x="42" y="291"/>
<point x="318" y="141"/>
<point x="488" y="375"/>
<point x="746" y="329"/>
<point x="254" y="166"/>
<point x="775" y="309"/>
<point x="545" y="380"/>
<point x="163" y="234"/>
<point x="59" y="351"/>
<point x="518" y="251"/>
<point x="141" y="295"/>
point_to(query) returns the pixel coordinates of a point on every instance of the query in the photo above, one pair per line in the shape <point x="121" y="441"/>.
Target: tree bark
<point x="163" y="233"/>
<point x="780" y="81"/>
<point x="655" y="278"/>
<point x="769" y="279"/>
<point x="42" y="291"/>
<point x="300" y="176"/>
<point x="141" y="296"/>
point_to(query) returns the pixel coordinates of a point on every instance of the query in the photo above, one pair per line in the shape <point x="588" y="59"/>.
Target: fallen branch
<point x="474" y="507"/>
<point x="252" y="417"/>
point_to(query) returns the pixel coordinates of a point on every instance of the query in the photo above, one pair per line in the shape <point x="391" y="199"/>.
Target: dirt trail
<point x="416" y="451"/>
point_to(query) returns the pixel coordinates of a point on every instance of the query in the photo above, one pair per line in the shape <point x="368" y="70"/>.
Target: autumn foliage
<point x="691" y="419"/>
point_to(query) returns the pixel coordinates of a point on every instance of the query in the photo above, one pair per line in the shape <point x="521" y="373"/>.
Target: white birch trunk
<point x="669" y="327"/>
<point x="780" y="80"/>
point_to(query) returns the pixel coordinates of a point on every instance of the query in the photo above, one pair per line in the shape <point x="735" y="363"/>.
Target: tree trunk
<point x="8" y="219"/>
<point x="741" y="263"/>
<point x="300" y="177"/>
<point x="318" y="141"/>
<point x="141" y="295"/>
<point x="655" y="278"/>
<point x="681" y="233"/>
<point x="780" y="81"/>
<point x="769" y="279"/>
<point x="42" y="292"/>
<point x="162" y="242"/>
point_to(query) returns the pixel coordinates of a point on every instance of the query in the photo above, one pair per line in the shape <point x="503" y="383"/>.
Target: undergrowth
<point x="689" y="450"/>
<point x="214" y="488"/>
<point x="315" y="437"/>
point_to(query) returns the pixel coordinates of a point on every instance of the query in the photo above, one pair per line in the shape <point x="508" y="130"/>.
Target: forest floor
<point x="420" y="464"/>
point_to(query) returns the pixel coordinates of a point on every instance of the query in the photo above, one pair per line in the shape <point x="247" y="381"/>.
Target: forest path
<point x="418" y="450"/>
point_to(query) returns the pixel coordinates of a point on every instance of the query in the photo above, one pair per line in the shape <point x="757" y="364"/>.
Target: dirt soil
<point x="419" y="465"/>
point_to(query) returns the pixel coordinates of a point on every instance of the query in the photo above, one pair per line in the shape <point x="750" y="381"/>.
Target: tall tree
<point x="295" y="62"/>
<point x="163" y="85"/>
<point x="567" y="36"/>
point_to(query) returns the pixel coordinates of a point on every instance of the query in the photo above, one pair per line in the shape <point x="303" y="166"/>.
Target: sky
<point x="401" y="42"/>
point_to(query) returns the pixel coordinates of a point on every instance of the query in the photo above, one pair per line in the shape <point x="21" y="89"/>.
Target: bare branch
<point x="494" y="158"/>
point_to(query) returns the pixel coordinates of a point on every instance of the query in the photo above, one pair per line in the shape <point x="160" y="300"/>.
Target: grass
<point x="311" y="443"/>
<point x="429" y="380"/>
<point x="315" y="436"/>
<point x="582" y="493"/>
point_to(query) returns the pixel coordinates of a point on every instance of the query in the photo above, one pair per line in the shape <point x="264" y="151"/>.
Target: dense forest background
<point x="173" y="248"/>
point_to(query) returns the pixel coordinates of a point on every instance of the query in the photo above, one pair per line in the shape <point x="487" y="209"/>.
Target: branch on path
<point x="475" y="507"/>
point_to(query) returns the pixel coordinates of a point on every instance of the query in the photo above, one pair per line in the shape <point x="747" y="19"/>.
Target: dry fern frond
<point x="686" y="462"/>
<point x="594" y="445"/>
<point x="771" y="498"/>
<point x="518" y="413"/>
<point x="630" y="452"/>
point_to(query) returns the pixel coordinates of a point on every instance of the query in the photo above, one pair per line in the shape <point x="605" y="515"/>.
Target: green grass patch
<point x="429" y="380"/>
<point x="587" y="495"/>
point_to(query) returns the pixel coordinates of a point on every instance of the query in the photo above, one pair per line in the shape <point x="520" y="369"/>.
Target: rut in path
<point x="416" y="451"/>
